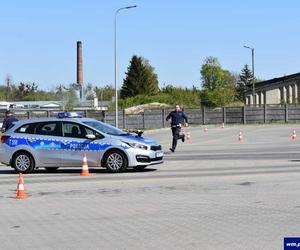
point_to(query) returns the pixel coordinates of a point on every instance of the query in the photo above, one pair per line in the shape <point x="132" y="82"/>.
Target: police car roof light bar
<point x="68" y="115"/>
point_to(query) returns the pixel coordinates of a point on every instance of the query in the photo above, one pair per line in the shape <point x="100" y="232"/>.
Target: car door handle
<point x="31" y="140"/>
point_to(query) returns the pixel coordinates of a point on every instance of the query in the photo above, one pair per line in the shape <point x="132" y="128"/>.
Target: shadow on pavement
<point x="8" y="171"/>
<point x="77" y="171"/>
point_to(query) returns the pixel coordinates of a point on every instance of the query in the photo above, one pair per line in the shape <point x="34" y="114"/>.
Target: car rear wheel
<point x="115" y="161"/>
<point x="51" y="169"/>
<point x="23" y="162"/>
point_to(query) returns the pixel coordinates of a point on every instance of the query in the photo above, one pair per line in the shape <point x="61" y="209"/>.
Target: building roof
<point x="277" y="80"/>
<point x="86" y="104"/>
<point x="39" y="103"/>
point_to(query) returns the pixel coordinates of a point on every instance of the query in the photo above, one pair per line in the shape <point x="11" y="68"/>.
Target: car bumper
<point x="157" y="162"/>
<point x="138" y="157"/>
<point x="5" y="155"/>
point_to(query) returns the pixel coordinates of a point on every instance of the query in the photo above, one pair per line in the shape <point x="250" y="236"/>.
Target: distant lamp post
<point x="116" y="89"/>
<point x="253" y="76"/>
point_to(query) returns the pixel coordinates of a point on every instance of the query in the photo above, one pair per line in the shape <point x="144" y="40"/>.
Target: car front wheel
<point x="23" y="162"/>
<point x="115" y="161"/>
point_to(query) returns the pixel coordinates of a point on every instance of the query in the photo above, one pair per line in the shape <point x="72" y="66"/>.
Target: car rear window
<point x="26" y="128"/>
<point x="40" y="128"/>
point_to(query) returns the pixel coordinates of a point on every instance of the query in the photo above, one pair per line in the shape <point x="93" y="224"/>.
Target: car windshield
<point x="105" y="128"/>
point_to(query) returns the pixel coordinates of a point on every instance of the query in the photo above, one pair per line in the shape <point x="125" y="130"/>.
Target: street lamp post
<point x="115" y="36"/>
<point x="253" y="75"/>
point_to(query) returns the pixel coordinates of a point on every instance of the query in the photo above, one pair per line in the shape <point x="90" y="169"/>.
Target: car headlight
<point x="136" y="145"/>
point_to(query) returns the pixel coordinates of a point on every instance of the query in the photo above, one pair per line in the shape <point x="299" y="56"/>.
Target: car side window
<point x="75" y="130"/>
<point x="71" y="129"/>
<point x="26" y="128"/>
<point x="88" y="131"/>
<point x="48" y="128"/>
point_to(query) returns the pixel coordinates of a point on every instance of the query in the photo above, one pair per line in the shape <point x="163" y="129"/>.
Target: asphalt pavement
<point x="214" y="192"/>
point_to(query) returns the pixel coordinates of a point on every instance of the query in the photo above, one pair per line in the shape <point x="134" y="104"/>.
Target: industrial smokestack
<point x="80" y="68"/>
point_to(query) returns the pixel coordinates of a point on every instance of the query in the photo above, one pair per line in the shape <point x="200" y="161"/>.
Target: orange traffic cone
<point x="294" y="135"/>
<point x="85" y="167"/>
<point x="205" y="129"/>
<point x="21" y="190"/>
<point x="240" y="137"/>
<point x="223" y="125"/>
<point x="20" y="181"/>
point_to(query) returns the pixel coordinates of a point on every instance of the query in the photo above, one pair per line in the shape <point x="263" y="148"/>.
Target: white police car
<point x="60" y="142"/>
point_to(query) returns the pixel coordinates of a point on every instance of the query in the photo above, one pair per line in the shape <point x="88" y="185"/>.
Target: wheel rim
<point x="22" y="162"/>
<point x="115" y="161"/>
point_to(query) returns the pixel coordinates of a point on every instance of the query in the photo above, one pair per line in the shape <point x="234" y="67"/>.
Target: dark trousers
<point x="176" y="136"/>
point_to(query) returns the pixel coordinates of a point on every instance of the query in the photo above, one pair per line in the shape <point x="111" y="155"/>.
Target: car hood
<point x="134" y="138"/>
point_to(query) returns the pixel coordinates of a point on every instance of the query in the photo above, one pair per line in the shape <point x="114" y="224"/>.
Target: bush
<point x="218" y="97"/>
<point x="168" y="95"/>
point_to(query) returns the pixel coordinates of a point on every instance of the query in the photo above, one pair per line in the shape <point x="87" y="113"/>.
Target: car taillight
<point x="4" y="138"/>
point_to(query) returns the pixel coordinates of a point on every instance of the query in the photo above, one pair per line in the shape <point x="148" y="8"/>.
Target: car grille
<point x="156" y="159"/>
<point x="142" y="158"/>
<point x="156" y="148"/>
<point x="146" y="159"/>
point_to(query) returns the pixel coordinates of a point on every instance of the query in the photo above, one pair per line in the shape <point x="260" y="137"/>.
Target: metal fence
<point x="155" y="118"/>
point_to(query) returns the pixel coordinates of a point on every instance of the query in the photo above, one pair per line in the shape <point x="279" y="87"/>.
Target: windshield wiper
<point x="125" y="134"/>
<point x="135" y="131"/>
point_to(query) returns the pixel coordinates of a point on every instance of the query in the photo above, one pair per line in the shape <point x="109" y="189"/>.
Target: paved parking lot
<point x="213" y="193"/>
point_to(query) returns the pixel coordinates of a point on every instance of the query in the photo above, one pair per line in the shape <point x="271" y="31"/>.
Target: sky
<point x="38" y="38"/>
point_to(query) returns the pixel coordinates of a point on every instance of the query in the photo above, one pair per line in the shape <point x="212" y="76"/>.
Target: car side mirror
<point x="90" y="136"/>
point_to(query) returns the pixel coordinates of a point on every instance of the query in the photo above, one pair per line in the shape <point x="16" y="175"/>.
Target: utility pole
<point x="115" y="55"/>
<point x="253" y="75"/>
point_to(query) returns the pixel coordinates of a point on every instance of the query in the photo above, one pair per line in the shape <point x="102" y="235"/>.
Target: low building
<point x="55" y="105"/>
<point x="37" y="105"/>
<point x="5" y="105"/>
<point x="281" y="90"/>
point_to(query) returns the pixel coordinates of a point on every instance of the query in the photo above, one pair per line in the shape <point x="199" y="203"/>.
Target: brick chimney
<point x="80" y="68"/>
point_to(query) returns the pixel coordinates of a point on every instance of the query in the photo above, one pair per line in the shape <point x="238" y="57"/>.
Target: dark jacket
<point x="8" y="122"/>
<point x="177" y="118"/>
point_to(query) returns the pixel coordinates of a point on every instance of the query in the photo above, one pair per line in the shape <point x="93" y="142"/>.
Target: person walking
<point x="8" y="121"/>
<point x="178" y="118"/>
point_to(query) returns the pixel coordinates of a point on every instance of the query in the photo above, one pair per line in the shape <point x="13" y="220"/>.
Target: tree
<point x="211" y="73"/>
<point x="218" y="84"/>
<point x="150" y="84"/>
<point x="40" y="95"/>
<point x="230" y="79"/>
<point x="140" y="79"/>
<point x="3" y="93"/>
<point x="218" y="97"/>
<point x="89" y="91"/>
<point x="245" y="82"/>
<point x="22" y="91"/>
<point x="185" y="96"/>
<point x="67" y="94"/>
<point x="105" y="93"/>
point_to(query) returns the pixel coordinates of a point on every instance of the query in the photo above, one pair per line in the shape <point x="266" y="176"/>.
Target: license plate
<point x="159" y="154"/>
